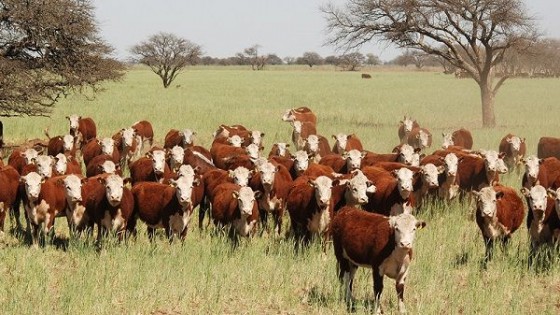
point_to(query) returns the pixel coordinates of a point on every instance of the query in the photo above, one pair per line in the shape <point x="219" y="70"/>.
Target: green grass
<point x="263" y="276"/>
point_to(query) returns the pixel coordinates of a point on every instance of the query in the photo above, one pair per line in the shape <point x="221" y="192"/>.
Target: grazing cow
<point x="514" y="149"/>
<point x="366" y="76"/>
<point x="274" y="182"/>
<point x="477" y="172"/>
<point x="183" y="138"/>
<point x="403" y="154"/>
<point x="405" y="127"/>
<point x="420" y="138"/>
<point x="65" y="165"/>
<point x="394" y="193"/>
<point x="166" y="206"/>
<point x="110" y="205"/>
<point x="82" y="128"/>
<point x="61" y="144"/>
<point x="374" y="241"/>
<point x="303" y="114"/>
<point x="349" y="161"/>
<point x="344" y="143"/>
<point x="279" y="149"/>
<point x="150" y="168"/>
<point x="542" y="219"/>
<point x="44" y="199"/>
<point x="301" y="131"/>
<point x="310" y="207"/>
<point x="459" y="138"/>
<point x="102" y="164"/>
<point x="9" y="181"/>
<point x="317" y="146"/>
<point x="235" y="206"/>
<point x="544" y="172"/>
<point x="144" y="133"/>
<point x="499" y="213"/>
<point x="176" y="158"/>
<point x="548" y="147"/>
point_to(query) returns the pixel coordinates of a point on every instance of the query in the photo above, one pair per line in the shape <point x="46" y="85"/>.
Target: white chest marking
<point x="319" y="221"/>
<point x="396" y="265"/>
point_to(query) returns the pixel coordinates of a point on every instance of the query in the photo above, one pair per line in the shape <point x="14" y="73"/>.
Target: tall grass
<point x="205" y="275"/>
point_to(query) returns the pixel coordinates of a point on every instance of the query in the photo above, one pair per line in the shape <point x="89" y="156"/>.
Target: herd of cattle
<point x="363" y="201"/>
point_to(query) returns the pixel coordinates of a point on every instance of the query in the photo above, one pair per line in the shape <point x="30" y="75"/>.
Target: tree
<point x="352" y="61"/>
<point x="167" y="55"/>
<point x="273" y="59"/>
<point x="372" y="60"/>
<point x="47" y="50"/>
<point x="311" y="59"/>
<point x="472" y="35"/>
<point x="252" y="55"/>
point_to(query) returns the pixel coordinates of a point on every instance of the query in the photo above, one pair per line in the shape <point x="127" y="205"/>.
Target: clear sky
<point x="225" y="27"/>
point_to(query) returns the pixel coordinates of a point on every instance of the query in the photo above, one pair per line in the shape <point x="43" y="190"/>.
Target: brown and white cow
<point x="476" y="172"/>
<point x="18" y="159"/>
<point x="394" y="193"/>
<point x="403" y="153"/>
<point x="301" y="131"/>
<point x="301" y="163"/>
<point x="176" y="158"/>
<point x="76" y="215"/>
<point x="303" y="114"/>
<point x="514" y="149"/>
<point x="374" y="241"/>
<point x="405" y="127"/>
<point x="317" y="146"/>
<point x="499" y="213"/>
<point x="82" y="128"/>
<point x="61" y="144"/>
<point x="127" y="144"/>
<point x="279" y="149"/>
<point x="145" y="134"/>
<point x="274" y="182"/>
<point x="420" y="138"/>
<point x="459" y="138"/>
<point x="548" y="147"/>
<point x="235" y="206"/>
<point x="151" y="167"/>
<point x="344" y="143"/>
<point x="102" y="164"/>
<point x="544" y="172"/>
<point x="183" y="138"/>
<point x="65" y="165"/>
<point x="352" y="191"/>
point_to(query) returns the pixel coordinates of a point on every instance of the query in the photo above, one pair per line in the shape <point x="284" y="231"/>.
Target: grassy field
<point x="263" y="276"/>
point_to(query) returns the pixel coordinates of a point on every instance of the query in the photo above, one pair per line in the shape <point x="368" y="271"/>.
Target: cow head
<point x="494" y="164"/>
<point x="406" y="153"/>
<point x="32" y="182"/>
<point x="407" y="124"/>
<point x="281" y="148"/>
<point x="67" y="142"/>
<point x="486" y="200"/>
<point x="74" y="122"/>
<point x="186" y="170"/>
<point x="447" y="140"/>
<point x="357" y="189"/>
<point x="423" y="138"/>
<point x="253" y="151"/>
<point x="108" y="167"/>
<point x="246" y="200"/>
<point x="515" y="143"/>
<point x="353" y="159"/>
<point x="61" y="164"/>
<point x="323" y="190"/>
<point x="312" y="144"/>
<point x="114" y="188"/>
<point x="288" y="116"/>
<point x="404" y="226"/>
<point x="235" y="141"/>
<point x="183" y="189"/>
<point x="177" y="156"/>
<point x="158" y="160"/>
<point x="128" y="136"/>
<point x="301" y="161"/>
<point x="72" y="188"/>
<point x="404" y="181"/>
<point x="188" y="137"/>
<point x="555" y="194"/>
<point x="256" y="137"/>
<point x="341" y="140"/>
<point x="451" y="164"/>
<point x="29" y="155"/>
<point x="267" y="173"/>
<point x="532" y="166"/>
<point x="107" y="146"/>
<point x="430" y="174"/>
<point x="537" y="199"/>
<point x="45" y="164"/>
<point x="240" y="176"/>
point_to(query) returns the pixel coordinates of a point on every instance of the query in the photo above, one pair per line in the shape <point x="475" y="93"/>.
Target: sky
<point x="225" y="27"/>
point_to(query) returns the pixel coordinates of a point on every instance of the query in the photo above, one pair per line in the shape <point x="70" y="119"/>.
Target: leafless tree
<point x="167" y="55"/>
<point x="472" y="35"/>
<point x="351" y="61"/>
<point x="256" y="61"/>
<point x="372" y="60"/>
<point x="47" y="50"/>
<point x="311" y="59"/>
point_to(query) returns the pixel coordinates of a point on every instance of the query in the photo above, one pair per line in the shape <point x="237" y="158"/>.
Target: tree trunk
<point x="488" y="115"/>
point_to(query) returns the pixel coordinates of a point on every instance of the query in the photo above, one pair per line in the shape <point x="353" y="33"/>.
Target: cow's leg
<point x="277" y="222"/>
<point x="399" y="285"/>
<point x="2" y="218"/>
<point x="151" y="232"/>
<point x="202" y="209"/>
<point x="377" y="289"/>
<point x="346" y="276"/>
<point x="489" y="249"/>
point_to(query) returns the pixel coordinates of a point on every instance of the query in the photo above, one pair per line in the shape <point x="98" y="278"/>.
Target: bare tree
<point x="311" y="59"/>
<point x="252" y="54"/>
<point x="372" y="60"/>
<point x="352" y="61"/>
<point x="167" y="55"/>
<point x="472" y="35"/>
<point x="47" y="50"/>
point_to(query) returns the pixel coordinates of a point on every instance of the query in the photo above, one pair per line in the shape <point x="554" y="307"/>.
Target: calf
<point x="405" y="127"/>
<point x="394" y="193"/>
<point x="102" y="164"/>
<point x="301" y="131"/>
<point x="9" y="181"/>
<point x="303" y="114"/>
<point x="82" y="128"/>
<point x="499" y="213"/>
<point x="420" y="138"/>
<point x="183" y="138"/>
<point x="279" y="149"/>
<point x="514" y="149"/>
<point x="274" y="182"/>
<point x="460" y="138"/>
<point x="65" y="165"/>
<point x="235" y="206"/>
<point x="76" y="215"/>
<point x="344" y="143"/>
<point x="548" y="147"/>
<point x="381" y="243"/>
<point x="150" y="168"/>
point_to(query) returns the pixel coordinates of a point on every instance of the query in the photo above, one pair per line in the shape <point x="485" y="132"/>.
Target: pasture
<point x="263" y="276"/>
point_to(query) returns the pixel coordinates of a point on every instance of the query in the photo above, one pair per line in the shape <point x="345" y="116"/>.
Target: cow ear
<point x="101" y="180"/>
<point x="196" y="182"/>
<point x="395" y="173"/>
<point x="287" y="145"/>
<point x="262" y="134"/>
<point x="127" y="181"/>
<point x="417" y="150"/>
<point x="68" y="117"/>
<point x="345" y="155"/>
<point x="522" y="140"/>
<point x="172" y="183"/>
<point x="230" y="173"/>
<point x="337" y="182"/>
<point x="476" y="193"/>
<point x="552" y="193"/>
<point x="60" y="182"/>
<point x="420" y="224"/>
<point x="235" y="194"/>
<point x="310" y="182"/>
<point x="196" y="169"/>
<point x="22" y="179"/>
<point x="509" y="140"/>
<point x="277" y="168"/>
<point x="396" y="149"/>
<point x="348" y="137"/>
<point x="541" y="161"/>
<point x="526" y="192"/>
<point x="258" y="194"/>
<point x="501" y="155"/>
<point x="441" y="169"/>
<point x="499" y="195"/>
<point x="84" y="180"/>
<point x="149" y="154"/>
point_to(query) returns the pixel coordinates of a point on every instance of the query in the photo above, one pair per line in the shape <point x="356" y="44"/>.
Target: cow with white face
<point x="450" y="188"/>
<point x="494" y="164"/>
<point x="406" y="154"/>
<point x="253" y="151"/>
<point x="29" y="155"/>
<point x="312" y="144"/>
<point x="76" y="211"/>
<point x="179" y="221"/>
<point x="108" y="167"/>
<point x="541" y="228"/>
<point x="404" y="181"/>
<point x="353" y="159"/>
<point x="107" y="146"/>
<point x="447" y="140"/>
<point x="514" y="149"/>
<point x="256" y="138"/>
<point x="45" y="164"/>
<point x="176" y="157"/>
<point x="357" y="189"/>
<point x="416" y="157"/>
<point x="32" y="183"/>
<point x="281" y="148"/>
<point x="74" y="123"/>
<point x="423" y="139"/>
<point x="301" y="162"/>
<point x="61" y="164"/>
<point x="235" y="141"/>
<point x="68" y="143"/>
<point x="158" y="161"/>
<point x="532" y="167"/>
<point x="323" y="191"/>
<point x="240" y="176"/>
<point x="113" y="216"/>
<point x="246" y="199"/>
<point x="430" y="180"/>
<point x="341" y="140"/>
<point x="186" y="170"/>
<point x="114" y="187"/>
<point x="188" y="137"/>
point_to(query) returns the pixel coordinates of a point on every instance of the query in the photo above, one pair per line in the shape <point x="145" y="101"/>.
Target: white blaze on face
<point x="313" y="143"/>
<point x="447" y="140"/>
<point x="128" y="135"/>
<point x="408" y="124"/>
<point x="451" y="164"/>
<point x="73" y="188"/>
<point x="341" y="141"/>
<point x="415" y="161"/>
<point x="430" y="174"/>
<point x="301" y="161"/>
<point x="532" y="166"/>
<point x="486" y="201"/>
<point x="256" y="137"/>
<point x="405" y="226"/>
<point x="61" y="164"/>
<point x="67" y="142"/>
<point x="424" y="138"/>
<point x="323" y="190"/>
<point x="253" y="151"/>
<point x="267" y="173"/>
<point x="494" y="164"/>
<point x="353" y="159"/>
<point x="404" y="181"/>
<point x="281" y="148"/>
<point x="74" y="121"/>
<point x="406" y="154"/>
<point x="183" y="189"/>
<point x="114" y="187"/>
<point x="235" y="141"/>
<point x="245" y="200"/>
<point x="108" y="167"/>
<point x="188" y="136"/>
<point x="45" y="165"/>
<point x="29" y="155"/>
<point x="359" y="186"/>
<point x="177" y="157"/>
<point x="515" y="143"/>
<point x="158" y="161"/>
<point x="107" y="146"/>
<point x="32" y="183"/>
<point x="186" y="170"/>
<point x="240" y="176"/>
